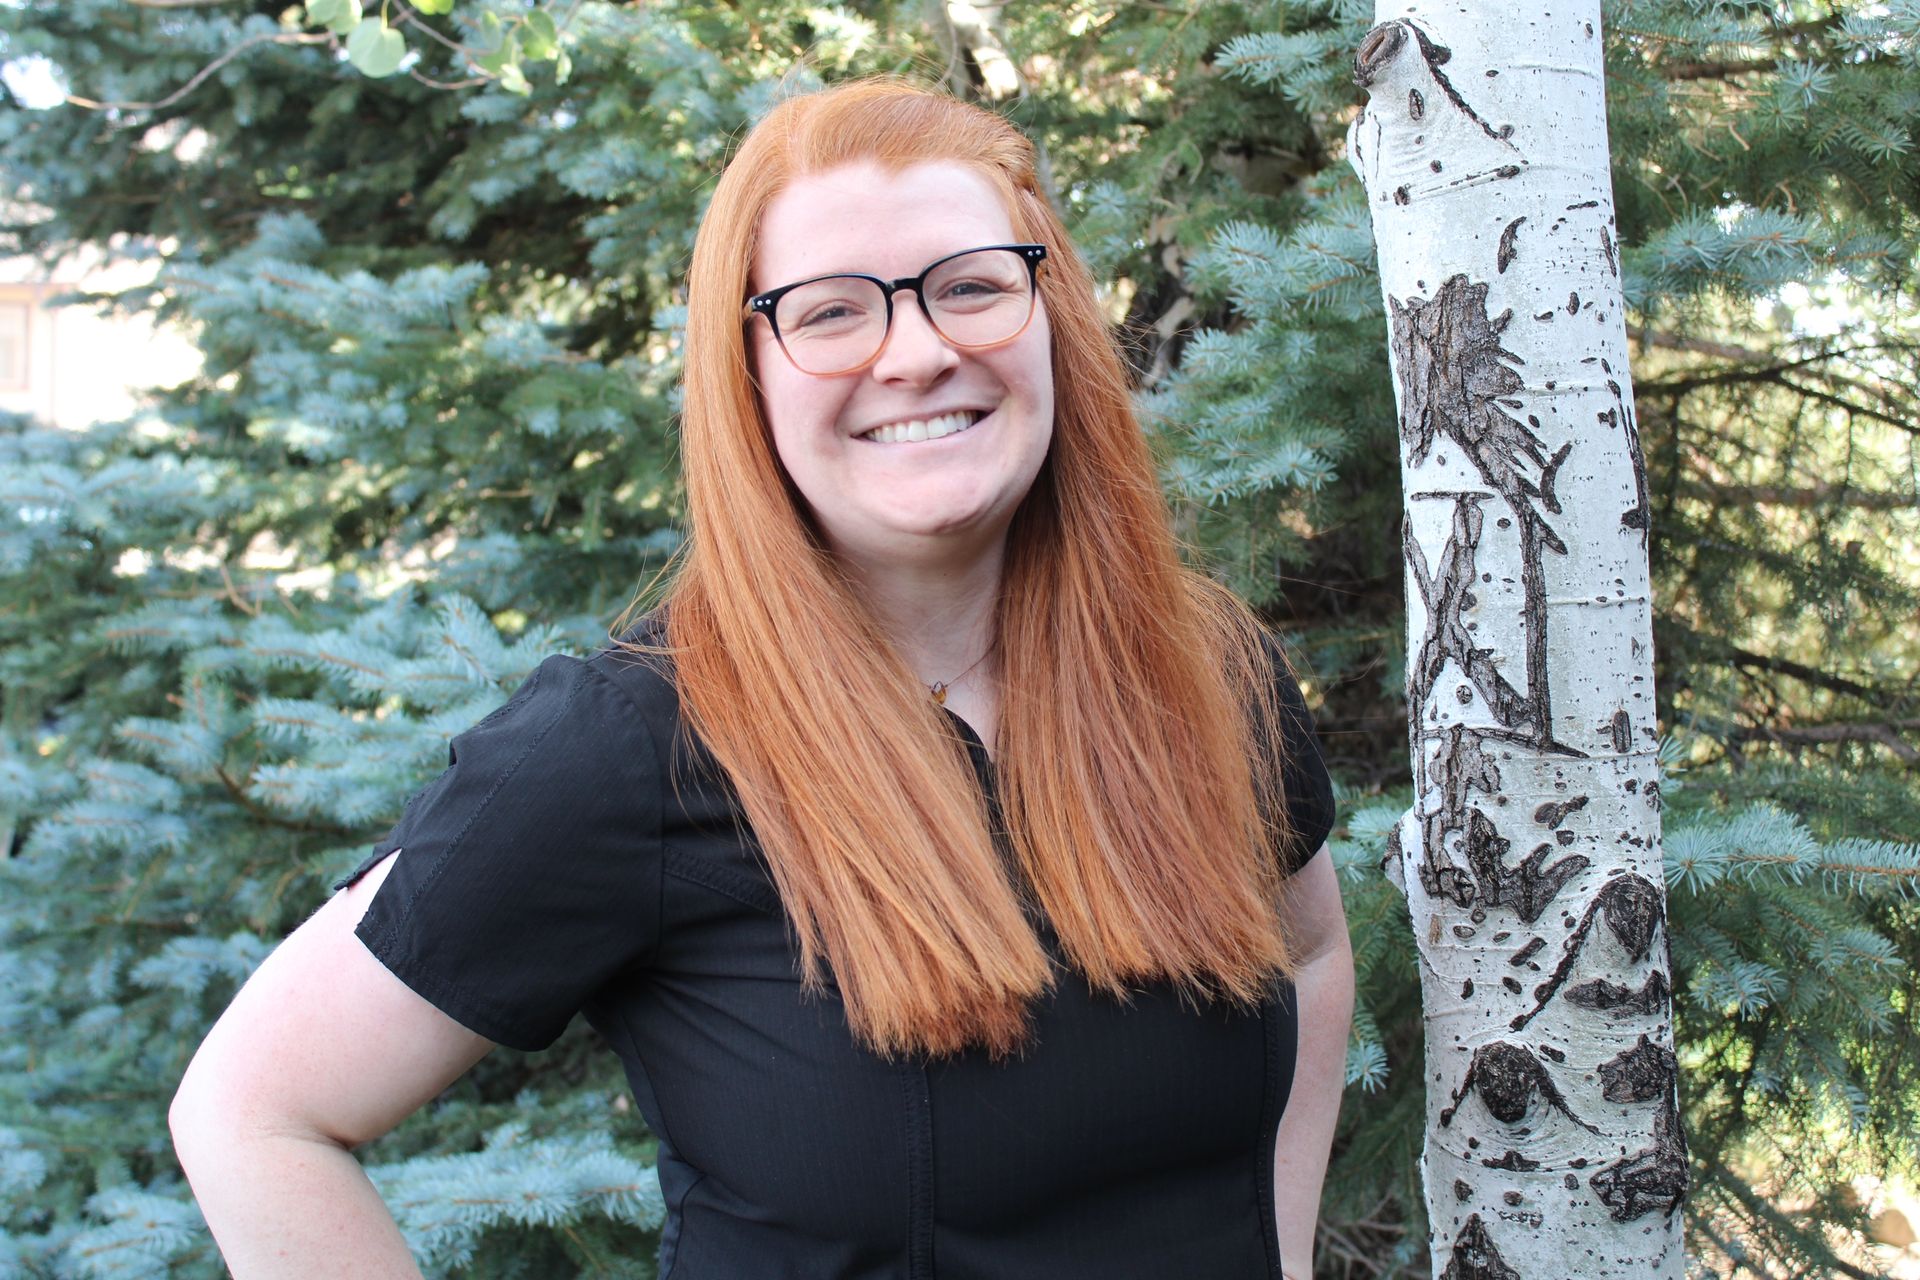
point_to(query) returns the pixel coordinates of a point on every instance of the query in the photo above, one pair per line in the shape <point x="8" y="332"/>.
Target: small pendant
<point x="939" y="692"/>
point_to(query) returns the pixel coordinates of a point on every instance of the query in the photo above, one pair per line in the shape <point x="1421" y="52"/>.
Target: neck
<point x="938" y="615"/>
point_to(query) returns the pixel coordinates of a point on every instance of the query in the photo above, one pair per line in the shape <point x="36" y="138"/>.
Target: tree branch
<point x="1884" y="734"/>
<point x="1841" y="402"/>
<point x="1700" y="346"/>
<point x="1814" y="496"/>
<point x="318" y="37"/>
<point x="1746" y="658"/>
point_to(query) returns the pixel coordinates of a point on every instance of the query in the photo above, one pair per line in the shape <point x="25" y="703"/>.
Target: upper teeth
<point x="922" y="428"/>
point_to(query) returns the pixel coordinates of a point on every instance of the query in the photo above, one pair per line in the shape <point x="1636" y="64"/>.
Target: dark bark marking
<point x="1640" y="514"/>
<point x="1461" y="1190"/>
<point x="1454" y="375"/>
<point x="1503" y="258"/>
<point x="1546" y="315"/>
<point x="1466" y="989"/>
<point x="1416" y="105"/>
<point x="1445" y="596"/>
<point x="1610" y="997"/>
<point x="1548" y="1051"/>
<point x="1629" y="906"/>
<point x="1613" y="262"/>
<point x="1513" y="1162"/>
<point x="1551" y="814"/>
<point x="1434" y="166"/>
<point x="1435" y="56"/>
<point x="1584" y="204"/>
<point x="1550" y="474"/>
<point x="1400" y="196"/>
<point x="1487" y="881"/>
<point x="1513" y="1199"/>
<point x="1462" y="766"/>
<point x="1376" y="51"/>
<point x="1508" y="1079"/>
<point x="1529" y="888"/>
<point x="1527" y="952"/>
<point x="1474" y="1256"/>
<point x="1655" y="1178"/>
<point x="1622" y="729"/>
<point x="1573" y="303"/>
<point x="1640" y="1074"/>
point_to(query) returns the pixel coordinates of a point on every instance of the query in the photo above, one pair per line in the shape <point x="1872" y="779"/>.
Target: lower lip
<point x="921" y="444"/>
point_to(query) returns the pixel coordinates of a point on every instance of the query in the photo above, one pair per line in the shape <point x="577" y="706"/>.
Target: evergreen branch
<point x="1815" y="735"/>
<point x="1842" y="403"/>
<point x="257" y="810"/>
<point x="318" y="37"/>
<point x="1804" y="499"/>
<point x="1716" y="70"/>
<point x="1787" y="667"/>
<point x="1699" y="346"/>
<point x="1796" y="1235"/>
<point x="1767" y="373"/>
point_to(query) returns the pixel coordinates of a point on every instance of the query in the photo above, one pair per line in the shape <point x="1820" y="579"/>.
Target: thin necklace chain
<point x="939" y="687"/>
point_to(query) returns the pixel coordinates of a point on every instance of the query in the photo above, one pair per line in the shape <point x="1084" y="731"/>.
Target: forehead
<point x="863" y="218"/>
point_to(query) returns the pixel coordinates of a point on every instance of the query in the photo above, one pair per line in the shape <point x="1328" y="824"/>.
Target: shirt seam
<point x="446" y="854"/>
<point x="722" y="880"/>
<point x="916" y="1090"/>
<point x="657" y="761"/>
<point x="1263" y="1180"/>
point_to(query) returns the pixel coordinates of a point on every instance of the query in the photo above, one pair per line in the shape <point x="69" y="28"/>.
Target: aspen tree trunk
<point x="1531" y="856"/>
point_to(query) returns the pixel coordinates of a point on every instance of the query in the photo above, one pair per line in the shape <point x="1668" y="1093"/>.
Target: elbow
<point x="191" y="1119"/>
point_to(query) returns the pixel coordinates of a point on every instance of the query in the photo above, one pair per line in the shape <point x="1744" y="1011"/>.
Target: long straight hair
<point x="1139" y="753"/>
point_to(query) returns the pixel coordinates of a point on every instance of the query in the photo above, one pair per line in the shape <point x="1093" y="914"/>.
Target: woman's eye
<point x="830" y="313"/>
<point x="967" y="288"/>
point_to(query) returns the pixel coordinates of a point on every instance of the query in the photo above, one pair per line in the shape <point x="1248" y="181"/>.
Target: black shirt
<point x="582" y="853"/>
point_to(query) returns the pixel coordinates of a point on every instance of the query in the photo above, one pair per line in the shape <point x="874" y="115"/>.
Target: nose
<point x="914" y="351"/>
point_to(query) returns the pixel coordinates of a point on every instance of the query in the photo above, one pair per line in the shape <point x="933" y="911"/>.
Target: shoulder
<point x="1304" y="780"/>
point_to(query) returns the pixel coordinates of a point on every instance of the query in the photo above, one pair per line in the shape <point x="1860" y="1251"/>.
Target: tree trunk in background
<point x="1531" y="856"/>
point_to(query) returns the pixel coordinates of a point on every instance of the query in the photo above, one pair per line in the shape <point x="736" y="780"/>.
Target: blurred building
<point x="76" y="364"/>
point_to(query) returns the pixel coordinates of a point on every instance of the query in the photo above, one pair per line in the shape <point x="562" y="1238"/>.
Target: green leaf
<point x="513" y="80"/>
<point x="540" y="37"/>
<point x="434" y="7"/>
<point x="342" y="17"/>
<point x="497" y="62"/>
<point x="376" y="49"/>
<point x="562" y="67"/>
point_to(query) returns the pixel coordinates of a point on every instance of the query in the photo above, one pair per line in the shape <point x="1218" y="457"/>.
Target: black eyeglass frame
<point x="763" y="304"/>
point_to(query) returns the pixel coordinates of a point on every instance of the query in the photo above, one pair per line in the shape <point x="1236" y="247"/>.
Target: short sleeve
<point x="1304" y="777"/>
<point x="526" y="875"/>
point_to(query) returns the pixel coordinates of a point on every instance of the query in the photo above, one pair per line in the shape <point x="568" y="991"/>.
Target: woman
<point x="925" y="857"/>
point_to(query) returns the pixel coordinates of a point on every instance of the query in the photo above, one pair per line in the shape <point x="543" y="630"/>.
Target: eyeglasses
<point x="839" y="324"/>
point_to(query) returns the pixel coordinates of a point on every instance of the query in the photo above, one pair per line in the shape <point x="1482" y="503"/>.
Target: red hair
<point x="1138" y="757"/>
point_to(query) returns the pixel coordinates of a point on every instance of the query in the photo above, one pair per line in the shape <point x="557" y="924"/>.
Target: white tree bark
<point x="1531" y="857"/>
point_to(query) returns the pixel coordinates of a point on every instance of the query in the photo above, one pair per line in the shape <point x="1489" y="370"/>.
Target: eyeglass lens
<point x="840" y="322"/>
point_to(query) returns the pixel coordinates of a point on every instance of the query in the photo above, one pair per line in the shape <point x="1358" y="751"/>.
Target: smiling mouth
<point x="920" y="429"/>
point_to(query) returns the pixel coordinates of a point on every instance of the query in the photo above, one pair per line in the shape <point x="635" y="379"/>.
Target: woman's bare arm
<point x="1316" y="924"/>
<point x="322" y="1049"/>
